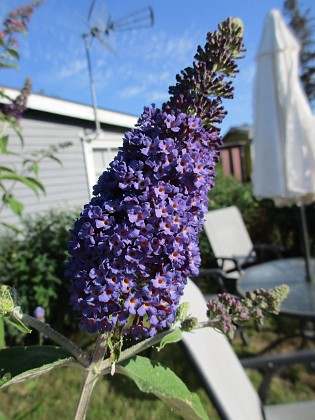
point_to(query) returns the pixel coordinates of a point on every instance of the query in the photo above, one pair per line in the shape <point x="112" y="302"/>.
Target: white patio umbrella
<point x="284" y="126"/>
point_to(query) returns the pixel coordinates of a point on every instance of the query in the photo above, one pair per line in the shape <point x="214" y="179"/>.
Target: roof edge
<point x="73" y="109"/>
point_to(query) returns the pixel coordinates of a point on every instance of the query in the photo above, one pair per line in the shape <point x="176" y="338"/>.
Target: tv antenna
<point x="140" y="19"/>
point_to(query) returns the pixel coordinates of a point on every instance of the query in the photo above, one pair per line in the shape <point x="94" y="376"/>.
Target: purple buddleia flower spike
<point x="17" y="106"/>
<point x="136" y="242"/>
<point x="227" y="312"/>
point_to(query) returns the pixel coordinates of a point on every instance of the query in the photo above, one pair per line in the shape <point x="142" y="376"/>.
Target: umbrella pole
<point x="307" y="253"/>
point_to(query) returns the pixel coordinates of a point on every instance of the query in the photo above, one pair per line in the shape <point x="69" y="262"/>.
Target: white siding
<point x="66" y="185"/>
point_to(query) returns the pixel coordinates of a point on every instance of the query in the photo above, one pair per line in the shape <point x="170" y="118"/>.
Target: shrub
<point x="34" y="265"/>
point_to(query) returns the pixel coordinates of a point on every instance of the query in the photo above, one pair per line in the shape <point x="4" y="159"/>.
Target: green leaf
<point x="52" y="157"/>
<point x="17" y="364"/>
<point x="35" y="168"/>
<point x="12" y="227"/>
<point x="16" y="206"/>
<point x="6" y="169"/>
<point x="31" y="183"/>
<point x="172" y="337"/>
<point x="8" y="299"/>
<point x="3" y="416"/>
<point x="16" y="320"/>
<point x="182" y="311"/>
<point x="115" y="344"/>
<point x="8" y="65"/>
<point x="152" y="377"/>
<point x="18" y="131"/>
<point x="2" y="336"/>
<point x="3" y="94"/>
<point x="3" y="143"/>
<point x="13" y="52"/>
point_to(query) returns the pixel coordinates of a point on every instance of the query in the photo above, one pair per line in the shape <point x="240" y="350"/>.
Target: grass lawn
<point x="54" y="395"/>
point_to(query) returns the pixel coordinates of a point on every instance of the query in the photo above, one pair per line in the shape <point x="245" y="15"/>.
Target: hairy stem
<point x="144" y="345"/>
<point x="137" y="348"/>
<point x="91" y="376"/>
<point x="58" y="338"/>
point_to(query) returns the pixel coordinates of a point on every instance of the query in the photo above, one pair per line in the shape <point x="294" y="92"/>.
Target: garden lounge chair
<point x="230" y="241"/>
<point x="224" y="377"/>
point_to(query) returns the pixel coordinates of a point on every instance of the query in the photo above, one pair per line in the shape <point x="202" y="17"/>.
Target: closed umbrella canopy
<point x="284" y="126"/>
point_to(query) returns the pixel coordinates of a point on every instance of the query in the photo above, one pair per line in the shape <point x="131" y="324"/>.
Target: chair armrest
<point x="277" y="250"/>
<point x="270" y="364"/>
<point x="278" y="360"/>
<point x="235" y="260"/>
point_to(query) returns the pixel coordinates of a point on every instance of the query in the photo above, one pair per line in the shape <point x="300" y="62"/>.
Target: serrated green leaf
<point x="17" y="364"/>
<point x="152" y="377"/>
<point x="172" y="337"/>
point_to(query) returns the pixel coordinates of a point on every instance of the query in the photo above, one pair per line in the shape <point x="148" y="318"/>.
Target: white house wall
<point x="66" y="185"/>
<point x="51" y="121"/>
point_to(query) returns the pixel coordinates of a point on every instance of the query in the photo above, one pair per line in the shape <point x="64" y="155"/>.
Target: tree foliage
<point x="303" y="25"/>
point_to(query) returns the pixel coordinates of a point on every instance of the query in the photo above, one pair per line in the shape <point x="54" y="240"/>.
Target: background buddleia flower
<point x="136" y="242"/>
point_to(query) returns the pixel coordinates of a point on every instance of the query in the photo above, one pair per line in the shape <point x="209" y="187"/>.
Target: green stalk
<point x="131" y="351"/>
<point x="54" y="335"/>
<point x="91" y="376"/>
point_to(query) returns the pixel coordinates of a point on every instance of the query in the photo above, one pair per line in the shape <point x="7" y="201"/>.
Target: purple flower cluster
<point x="16" y="22"/>
<point x="17" y="106"/>
<point x="227" y="311"/>
<point x="136" y="242"/>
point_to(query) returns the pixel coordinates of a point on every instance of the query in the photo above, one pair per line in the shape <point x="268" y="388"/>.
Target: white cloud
<point x="131" y="91"/>
<point x="158" y="96"/>
<point x="72" y="68"/>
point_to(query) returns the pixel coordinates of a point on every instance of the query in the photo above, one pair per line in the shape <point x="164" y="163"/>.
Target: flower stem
<point x="143" y="345"/>
<point x="91" y="376"/>
<point x="58" y="338"/>
<point x="131" y="351"/>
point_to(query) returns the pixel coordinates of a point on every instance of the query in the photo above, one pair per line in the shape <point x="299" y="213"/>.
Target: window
<point x="99" y="153"/>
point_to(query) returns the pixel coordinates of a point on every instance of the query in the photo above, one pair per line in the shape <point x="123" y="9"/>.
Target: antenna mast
<point x="140" y="19"/>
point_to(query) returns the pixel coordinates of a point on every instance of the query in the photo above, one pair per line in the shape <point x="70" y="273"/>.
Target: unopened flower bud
<point x="8" y="300"/>
<point x="189" y="324"/>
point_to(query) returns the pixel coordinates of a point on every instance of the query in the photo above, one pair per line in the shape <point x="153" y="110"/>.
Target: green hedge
<point x="34" y="265"/>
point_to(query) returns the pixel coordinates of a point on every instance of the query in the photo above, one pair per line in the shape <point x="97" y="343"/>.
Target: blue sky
<point x="143" y="63"/>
